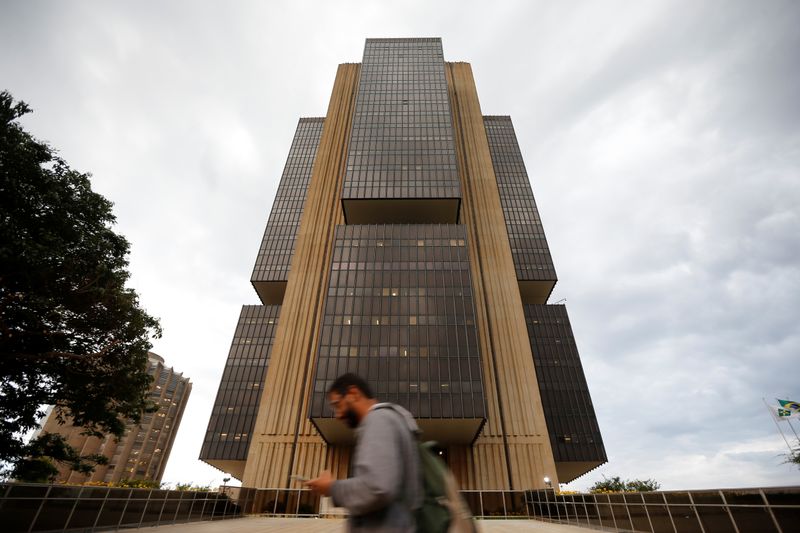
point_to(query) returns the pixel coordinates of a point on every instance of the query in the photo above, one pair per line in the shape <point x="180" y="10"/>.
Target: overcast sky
<point x="662" y="140"/>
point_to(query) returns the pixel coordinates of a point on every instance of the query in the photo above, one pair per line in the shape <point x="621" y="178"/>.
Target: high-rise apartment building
<point x="405" y="245"/>
<point x="143" y="450"/>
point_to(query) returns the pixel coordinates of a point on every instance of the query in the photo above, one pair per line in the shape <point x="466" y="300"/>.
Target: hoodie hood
<point x="407" y="416"/>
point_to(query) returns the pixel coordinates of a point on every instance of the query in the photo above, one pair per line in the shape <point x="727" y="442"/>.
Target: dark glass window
<point x="568" y="409"/>
<point x="277" y="245"/>
<point x="236" y="406"/>
<point x="401" y="144"/>
<point x="529" y="248"/>
<point x="407" y="324"/>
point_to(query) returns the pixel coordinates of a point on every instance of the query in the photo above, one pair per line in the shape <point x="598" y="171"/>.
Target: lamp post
<point x="225" y="484"/>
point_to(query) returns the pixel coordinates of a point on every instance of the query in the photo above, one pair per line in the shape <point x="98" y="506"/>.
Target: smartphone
<point x="298" y="478"/>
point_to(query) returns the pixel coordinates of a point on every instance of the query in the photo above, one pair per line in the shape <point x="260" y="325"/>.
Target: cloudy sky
<point x="662" y="140"/>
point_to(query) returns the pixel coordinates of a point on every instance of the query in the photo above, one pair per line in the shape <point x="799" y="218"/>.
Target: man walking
<point x="386" y="487"/>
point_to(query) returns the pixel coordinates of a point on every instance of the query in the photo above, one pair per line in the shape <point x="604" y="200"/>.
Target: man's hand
<point x="321" y="485"/>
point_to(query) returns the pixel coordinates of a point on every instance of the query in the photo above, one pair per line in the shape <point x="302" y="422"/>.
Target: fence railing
<point x="44" y="508"/>
<point x="32" y="507"/>
<point x="765" y="510"/>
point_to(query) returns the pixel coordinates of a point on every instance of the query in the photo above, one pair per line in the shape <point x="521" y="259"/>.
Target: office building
<point x="405" y="245"/>
<point x="143" y="450"/>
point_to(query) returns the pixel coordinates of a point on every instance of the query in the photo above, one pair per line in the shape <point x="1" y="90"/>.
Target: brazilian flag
<point x="790" y="405"/>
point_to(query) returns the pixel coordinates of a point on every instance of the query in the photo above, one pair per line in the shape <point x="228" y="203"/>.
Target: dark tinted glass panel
<point x="528" y="244"/>
<point x="277" y="246"/>
<point x="236" y="405"/>
<point x="568" y="409"/>
<point x="399" y="312"/>
<point x="401" y="145"/>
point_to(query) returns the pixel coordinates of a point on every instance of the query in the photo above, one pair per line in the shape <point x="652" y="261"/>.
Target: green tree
<point x="44" y="452"/>
<point x="71" y="334"/>
<point x="617" y="484"/>
<point x="793" y="457"/>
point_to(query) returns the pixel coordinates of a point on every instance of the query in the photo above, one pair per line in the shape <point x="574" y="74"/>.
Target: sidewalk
<point x="323" y="525"/>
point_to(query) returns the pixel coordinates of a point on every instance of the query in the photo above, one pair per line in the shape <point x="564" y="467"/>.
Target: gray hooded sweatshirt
<point x="386" y="485"/>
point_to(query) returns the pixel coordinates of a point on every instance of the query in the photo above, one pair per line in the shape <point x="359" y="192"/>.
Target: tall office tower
<point x="405" y="245"/>
<point x="143" y="450"/>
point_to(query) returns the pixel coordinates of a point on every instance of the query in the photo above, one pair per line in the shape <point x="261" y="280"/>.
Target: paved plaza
<point x="329" y="525"/>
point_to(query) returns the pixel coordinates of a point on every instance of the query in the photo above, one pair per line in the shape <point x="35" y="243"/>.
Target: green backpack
<point x="434" y="515"/>
<point x="443" y="508"/>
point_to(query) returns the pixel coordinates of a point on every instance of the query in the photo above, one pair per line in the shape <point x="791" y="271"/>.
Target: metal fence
<point x="33" y="507"/>
<point x="769" y="510"/>
<point x="43" y="508"/>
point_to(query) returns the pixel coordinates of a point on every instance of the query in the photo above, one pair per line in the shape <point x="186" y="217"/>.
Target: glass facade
<point x="236" y="406"/>
<point x="401" y="145"/>
<point x="277" y="247"/>
<point x="400" y="313"/>
<point x="568" y="409"/>
<point x="529" y="248"/>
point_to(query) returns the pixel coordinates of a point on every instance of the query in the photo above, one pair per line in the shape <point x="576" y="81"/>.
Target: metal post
<point x="39" y="510"/>
<point x="669" y="513"/>
<point x="72" y="511"/>
<point x="178" y="507"/>
<point x="647" y="514"/>
<point x="225" y="509"/>
<point x="627" y="510"/>
<point x="125" y="508"/>
<point x="102" y="506"/>
<point x="146" y="505"/>
<point x="585" y="509"/>
<point x="547" y="505"/>
<point x="161" y="512"/>
<point x="613" y="514"/>
<point x="728" y="509"/>
<point x="597" y="508"/>
<point x="696" y="514"/>
<point x="769" y="510"/>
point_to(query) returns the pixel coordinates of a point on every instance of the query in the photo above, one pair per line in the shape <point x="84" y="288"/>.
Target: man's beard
<point x="351" y="419"/>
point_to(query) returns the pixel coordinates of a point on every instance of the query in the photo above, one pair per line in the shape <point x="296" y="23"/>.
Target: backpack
<point x="443" y="509"/>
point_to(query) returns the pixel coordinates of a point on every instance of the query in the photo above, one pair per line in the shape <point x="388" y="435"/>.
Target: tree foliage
<point x="793" y="457"/>
<point x="48" y="450"/>
<point x="617" y="484"/>
<point x="71" y="334"/>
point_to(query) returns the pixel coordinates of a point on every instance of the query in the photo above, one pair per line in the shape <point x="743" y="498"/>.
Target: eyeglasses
<point x="334" y="404"/>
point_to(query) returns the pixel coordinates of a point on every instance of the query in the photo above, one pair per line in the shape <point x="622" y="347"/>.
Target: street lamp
<point x="224" y="484"/>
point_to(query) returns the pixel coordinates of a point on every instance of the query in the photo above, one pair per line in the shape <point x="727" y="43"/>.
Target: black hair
<point x="345" y="381"/>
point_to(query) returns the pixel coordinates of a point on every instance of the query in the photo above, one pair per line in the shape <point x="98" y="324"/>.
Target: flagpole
<point x="772" y="416"/>
<point x="793" y="430"/>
